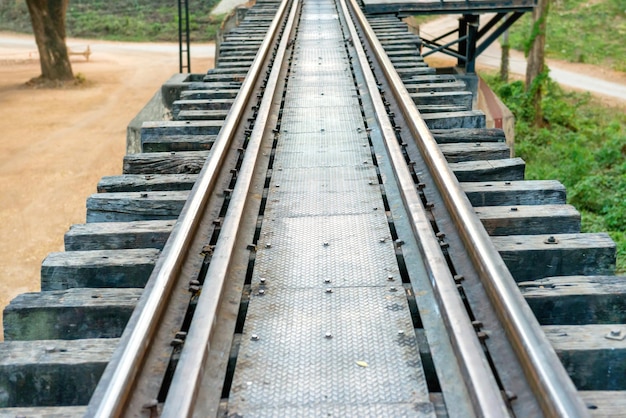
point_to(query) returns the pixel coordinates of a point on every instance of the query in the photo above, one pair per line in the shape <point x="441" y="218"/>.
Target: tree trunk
<point x="48" y="19"/>
<point x="535" y="64"/>
<point x="504" y="57"/>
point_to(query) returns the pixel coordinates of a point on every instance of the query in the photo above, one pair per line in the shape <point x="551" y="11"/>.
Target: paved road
<point x="491" y="58"/>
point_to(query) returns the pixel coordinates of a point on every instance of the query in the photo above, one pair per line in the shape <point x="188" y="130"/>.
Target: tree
<point x="535" y="64"/>
<point x="48" y="19"/>
<point x="504" y="57"/>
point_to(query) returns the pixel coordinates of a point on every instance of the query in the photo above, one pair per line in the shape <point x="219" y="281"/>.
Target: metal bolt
<point x="261" y="291"/>
<point x="144" y="195"/>
<point x="400" y="332"/>
<point x="393" y="289"/>
<point x="390" y="278"/>
<point x="268" y="245"/>
<point x="326" y="243"/>
<point x="329" y="290"/>
<point x="615" y="334"/>
<point x="458" y="278"/>
<point x="262" y="280"/>
<point x="513" y="209"/>
<point x="327" y="280"/>
<point x="254" y="337"/>
<point x="551" y="240"/>
<point x="328" y="335"/>
<point x="382" y="240"/>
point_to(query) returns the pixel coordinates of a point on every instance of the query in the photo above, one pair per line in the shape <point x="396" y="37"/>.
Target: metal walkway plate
<point x="328" y="330"/>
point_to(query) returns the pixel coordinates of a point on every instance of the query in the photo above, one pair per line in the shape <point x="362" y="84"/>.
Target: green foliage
<point x="139" y="20"/>
<point x="582" y="144"/>
<point x="580" y="31"/>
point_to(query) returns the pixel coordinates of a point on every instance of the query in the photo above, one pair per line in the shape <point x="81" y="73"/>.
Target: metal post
<point x="472" y="30"/>
<point x="187" y="36"/>
<point x="462" y="41"/>
<point x="183" y="36"/>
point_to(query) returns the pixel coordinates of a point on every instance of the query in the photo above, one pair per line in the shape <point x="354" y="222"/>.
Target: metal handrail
<point x="114" y="388"/>
<point x="549" y="380"/>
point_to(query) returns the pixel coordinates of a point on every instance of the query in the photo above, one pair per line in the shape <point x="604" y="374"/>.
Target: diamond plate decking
<point x="326" y="332"/>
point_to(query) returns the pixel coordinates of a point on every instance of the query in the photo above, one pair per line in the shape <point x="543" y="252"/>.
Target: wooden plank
<point x="510" y="193"/>
<point x="52" y="373"/>
<point x="206" y="94"/>
<point x="45" y="412"/>
<point x="457" y="98"/>
<point x="507" y="169"/>
<point x="606" y="404"/>
<point x="529" y="220"/>
<point x="69" y="314"/>
<point x="593" y="361"/>
<point x="444" y="136"/>
<point x="461" y="151"/>
<point x="146" y="183"/>
<point x="454" y="120"/>
<point x="165" y="162"/>
<point x="98" y="268"/>
<point x="210" y="104"/>
<point x="177" y="143"/>
<point x="424" y="109"/>
<point x="453" y="85"/>
<point x="531" y="257"/>
<point x="577" y="300"/>
<point x="127" y="207"/>
<point x="118" y="235"/>
<point x="174" y="127"/>
<point x="202" y="115"/>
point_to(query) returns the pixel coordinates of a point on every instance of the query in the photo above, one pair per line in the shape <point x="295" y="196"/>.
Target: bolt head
<point x="254" y="337"/>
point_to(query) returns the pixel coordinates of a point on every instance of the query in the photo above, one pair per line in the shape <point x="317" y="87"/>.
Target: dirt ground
<point x="56" y="144"/>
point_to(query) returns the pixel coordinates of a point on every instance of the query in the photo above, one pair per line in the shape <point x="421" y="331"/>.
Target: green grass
<point x="583" y="145"/>
<point x="137" y="20"/>
<point x="581" y="31"/>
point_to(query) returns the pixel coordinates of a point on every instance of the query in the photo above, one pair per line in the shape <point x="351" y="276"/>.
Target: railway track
<point x="325" y="227"/>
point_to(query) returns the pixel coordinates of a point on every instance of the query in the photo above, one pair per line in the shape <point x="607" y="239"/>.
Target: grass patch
<point x="137" y="20"/>
<point x="583" y="31"/>
<point x="583" y="145"/>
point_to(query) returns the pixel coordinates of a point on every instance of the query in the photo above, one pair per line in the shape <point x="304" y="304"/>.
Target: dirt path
<point x="56" y="144"/>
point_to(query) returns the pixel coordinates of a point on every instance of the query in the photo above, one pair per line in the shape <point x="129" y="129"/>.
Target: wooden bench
<point x="86" y="53"/>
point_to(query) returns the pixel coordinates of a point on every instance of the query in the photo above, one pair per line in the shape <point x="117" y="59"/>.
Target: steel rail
<point x="119" y="377"/>
<point x="189" y="371"/>
<point x="551" y="384"/>
<point x="486" y="396"/>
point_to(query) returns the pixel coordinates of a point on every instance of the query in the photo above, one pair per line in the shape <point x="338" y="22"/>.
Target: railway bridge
<point x="322" y="226"/>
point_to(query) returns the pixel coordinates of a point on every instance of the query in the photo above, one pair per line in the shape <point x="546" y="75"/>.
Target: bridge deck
<point x="327" y="332"/>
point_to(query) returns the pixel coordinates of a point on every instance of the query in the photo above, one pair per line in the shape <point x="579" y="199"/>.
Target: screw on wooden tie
<point x="551" y="240"/>
<point x="615" y="334"/>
